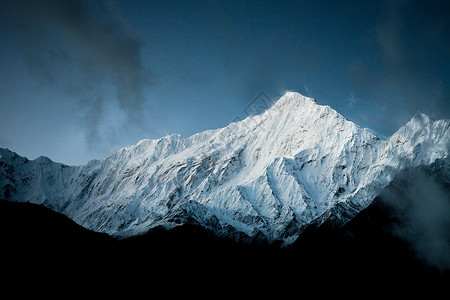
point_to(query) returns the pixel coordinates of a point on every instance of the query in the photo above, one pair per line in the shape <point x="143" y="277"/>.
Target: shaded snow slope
<point x="266" y="177"/>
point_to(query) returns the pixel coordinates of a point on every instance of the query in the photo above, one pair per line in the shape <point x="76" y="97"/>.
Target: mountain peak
<point x="294" y="98"/>
<point x="420" y="117"/>
<point x="418" y="122"/>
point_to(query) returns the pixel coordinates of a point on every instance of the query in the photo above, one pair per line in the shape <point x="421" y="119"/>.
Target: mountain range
<point x="263" y="180"/>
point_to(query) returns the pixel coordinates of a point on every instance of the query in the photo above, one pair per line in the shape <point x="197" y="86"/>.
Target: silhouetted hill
<point x="367" y="249"/>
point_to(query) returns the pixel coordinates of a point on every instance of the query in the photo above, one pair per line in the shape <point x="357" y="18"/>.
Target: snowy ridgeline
<point x="265" y="177"/>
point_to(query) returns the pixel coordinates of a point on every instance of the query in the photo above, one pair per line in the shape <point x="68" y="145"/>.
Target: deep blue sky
<point x="81" y="79"/>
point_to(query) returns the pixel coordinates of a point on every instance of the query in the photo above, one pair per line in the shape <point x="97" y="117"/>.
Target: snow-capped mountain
<point x="266" y="177"/>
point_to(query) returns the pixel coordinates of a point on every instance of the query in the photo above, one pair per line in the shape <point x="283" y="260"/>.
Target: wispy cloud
<point x="422" y="205"/>
<point x="389" y="30"/>
<point x="352" y="100"/>
<point x="86" y="52"/>
<point x="411" y="69"/>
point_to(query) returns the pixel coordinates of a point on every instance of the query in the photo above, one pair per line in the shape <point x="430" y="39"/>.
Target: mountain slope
<point x="264" y="178"/>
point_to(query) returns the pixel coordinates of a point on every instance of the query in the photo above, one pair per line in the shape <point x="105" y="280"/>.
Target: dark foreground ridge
<point x="36" y="240"/>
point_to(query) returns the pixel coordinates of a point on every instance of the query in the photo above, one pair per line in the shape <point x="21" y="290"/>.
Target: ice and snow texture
<point x="265" y="177"/>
